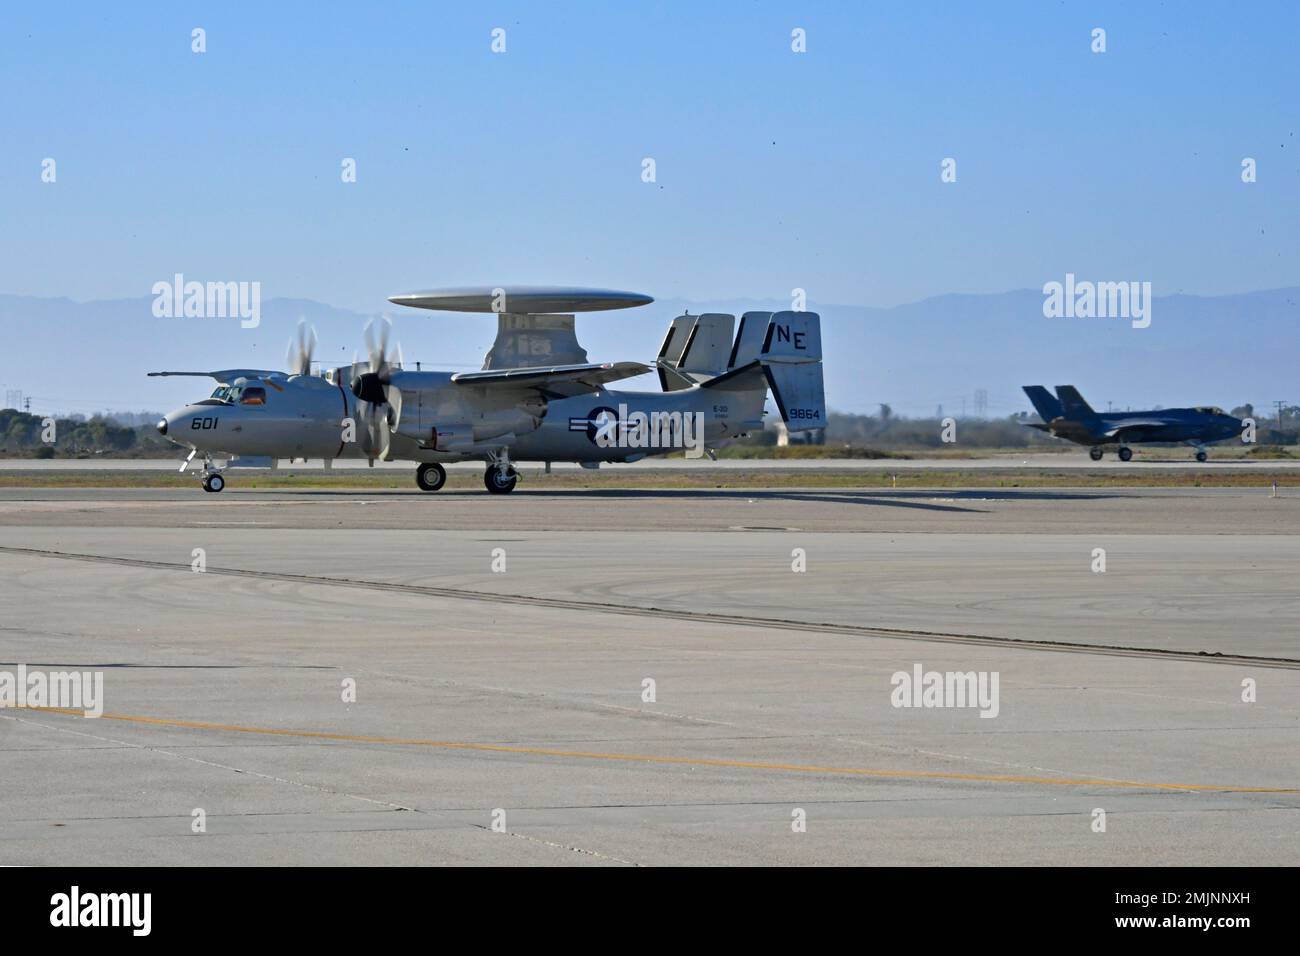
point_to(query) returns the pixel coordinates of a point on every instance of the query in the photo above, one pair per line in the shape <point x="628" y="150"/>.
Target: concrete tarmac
<point x="519" y="696"/>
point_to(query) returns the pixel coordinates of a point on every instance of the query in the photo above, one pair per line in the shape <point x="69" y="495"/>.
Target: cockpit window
<point x="1210" y="410"/>
<point x="222" y="393"/>
<point x="252" y="395"/>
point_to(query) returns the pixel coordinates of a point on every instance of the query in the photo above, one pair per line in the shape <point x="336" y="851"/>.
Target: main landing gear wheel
<point x="1095" y="453"/>
<point x="1125" y="454"/>
<point x="213" y="483"/>
<point x="500" y="484"/>
<point x="430" y="476"/>
<point x="1201" y="455"/>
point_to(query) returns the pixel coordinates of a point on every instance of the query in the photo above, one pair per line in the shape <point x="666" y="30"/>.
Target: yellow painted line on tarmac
<point x="658" y="759"/>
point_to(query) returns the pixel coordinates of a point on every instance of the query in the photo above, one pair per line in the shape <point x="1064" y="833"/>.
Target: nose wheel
<point x="430" y="476"/>
<point x="1201" y="455"/>
<point x="212" y="480"/>
<point x="1095" y="453"/>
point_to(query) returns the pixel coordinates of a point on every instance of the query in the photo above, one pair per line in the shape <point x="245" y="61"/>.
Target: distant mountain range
<point x="1223" y="350"/>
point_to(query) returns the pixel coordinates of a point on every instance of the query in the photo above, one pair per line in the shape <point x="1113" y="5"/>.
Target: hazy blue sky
<point x="775" y="169"/>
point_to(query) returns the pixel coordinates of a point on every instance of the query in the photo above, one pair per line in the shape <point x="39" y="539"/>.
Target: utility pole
<point x="1279" y="405"/>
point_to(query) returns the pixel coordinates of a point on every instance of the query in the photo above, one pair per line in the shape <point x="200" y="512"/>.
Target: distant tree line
<point x="22" y="436"/>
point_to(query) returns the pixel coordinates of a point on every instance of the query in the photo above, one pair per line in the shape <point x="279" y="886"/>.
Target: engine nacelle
<point x="438" y="414"/>
<point x="494" y="423"/>
<point x="491" y="428"/>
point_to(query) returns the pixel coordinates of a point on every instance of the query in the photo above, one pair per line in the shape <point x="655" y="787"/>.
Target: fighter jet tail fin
<point x="1045" y="403"/>
<point x="1073" y="404"/>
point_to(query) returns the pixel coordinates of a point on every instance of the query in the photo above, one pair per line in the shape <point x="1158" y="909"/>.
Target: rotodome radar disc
<point x="534" y="300"/>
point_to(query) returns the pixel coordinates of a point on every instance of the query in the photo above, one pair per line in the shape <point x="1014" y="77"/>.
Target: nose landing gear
<point x="1095" y="452"/>
<point x="212" y="480"/>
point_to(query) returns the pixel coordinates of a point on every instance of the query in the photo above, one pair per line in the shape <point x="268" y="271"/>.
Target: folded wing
<point x="560" y="381"/>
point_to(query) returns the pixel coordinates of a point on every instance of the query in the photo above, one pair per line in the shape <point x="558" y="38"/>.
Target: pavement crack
<point x="695" y="617"/>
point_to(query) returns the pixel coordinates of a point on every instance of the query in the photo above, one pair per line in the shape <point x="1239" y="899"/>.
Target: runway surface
<point x="500" y="648"/>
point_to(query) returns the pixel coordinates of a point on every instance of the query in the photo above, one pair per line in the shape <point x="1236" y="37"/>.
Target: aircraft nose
<point x="162" y="426"/>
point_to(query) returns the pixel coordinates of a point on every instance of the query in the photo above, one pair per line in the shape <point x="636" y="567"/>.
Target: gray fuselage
<point x="312" y="417"/>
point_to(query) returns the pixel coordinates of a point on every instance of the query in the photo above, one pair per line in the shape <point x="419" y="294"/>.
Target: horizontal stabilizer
<point x="741" y="379"/>
<point x="671" y="380"/>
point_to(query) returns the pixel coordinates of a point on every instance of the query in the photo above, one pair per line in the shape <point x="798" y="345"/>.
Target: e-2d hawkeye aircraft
<point x="1067" y="415"/>
<point x="537" y="397"/>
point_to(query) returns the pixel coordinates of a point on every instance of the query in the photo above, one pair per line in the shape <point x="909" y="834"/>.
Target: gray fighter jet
<point x="1067" y="415"/>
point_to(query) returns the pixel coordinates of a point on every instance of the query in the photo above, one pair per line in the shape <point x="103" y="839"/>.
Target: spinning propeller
<point x="379" y="402"/>
<point x="298" y="355"/>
